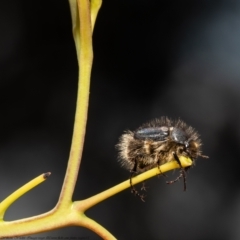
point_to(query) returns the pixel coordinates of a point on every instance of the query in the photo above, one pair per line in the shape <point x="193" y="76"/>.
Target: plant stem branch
<point x="97" y="228"/>
<point x="83" y="205"/>
<point x="85" y="57"/>
<point x="74" y="212"/>
<point x="7" y="202"/>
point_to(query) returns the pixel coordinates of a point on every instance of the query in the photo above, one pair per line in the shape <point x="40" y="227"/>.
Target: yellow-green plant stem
<point x="74" y="212"/>
<point x="85" y="57"/>
<point x="82" y="31"/>
<point x="4" y="205"/>
<point x="83" y="205"/>
<point x="97" y="228"/>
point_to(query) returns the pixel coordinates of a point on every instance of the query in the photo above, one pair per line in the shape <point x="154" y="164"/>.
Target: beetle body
<point x="156" y="142"/>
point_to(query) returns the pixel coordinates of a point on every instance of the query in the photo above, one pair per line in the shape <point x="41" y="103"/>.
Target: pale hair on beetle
<point x="157" y="142"/>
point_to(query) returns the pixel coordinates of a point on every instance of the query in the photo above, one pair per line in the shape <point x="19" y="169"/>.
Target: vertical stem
<point x="85" y="57"/>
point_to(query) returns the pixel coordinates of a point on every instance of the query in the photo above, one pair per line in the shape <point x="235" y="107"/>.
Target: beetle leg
<point x="133" y="189"/>
<point x="182" y="173"/>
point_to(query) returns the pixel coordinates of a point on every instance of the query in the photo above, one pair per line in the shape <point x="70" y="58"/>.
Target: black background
<point x="179" y="59"/>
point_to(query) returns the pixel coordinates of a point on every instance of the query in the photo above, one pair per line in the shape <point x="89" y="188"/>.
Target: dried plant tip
<point x="46" y="175"/>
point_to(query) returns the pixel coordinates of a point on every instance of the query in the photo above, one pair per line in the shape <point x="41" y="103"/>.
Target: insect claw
<point x="136" y="193"/>
<point x="144" y="188"/>
<point x="142" y="197"/>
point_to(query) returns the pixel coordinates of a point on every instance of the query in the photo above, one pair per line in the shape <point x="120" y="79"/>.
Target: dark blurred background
<point x="179" y="59"/>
